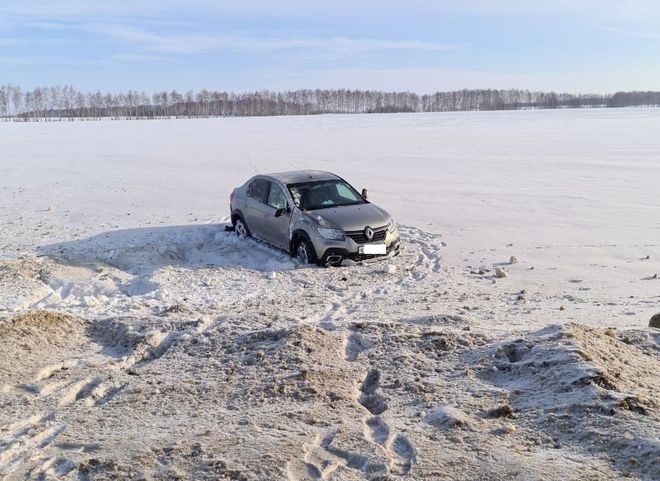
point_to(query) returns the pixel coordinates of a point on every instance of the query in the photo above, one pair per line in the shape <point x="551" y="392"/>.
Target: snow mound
<point x="144" y="250"/>
<point x="34" y="346"/>
<point x="20" y="284"/>
<point x="594" y="389"/>
<point x="574" y="364"/>
<point x="34" y="329"/>
<point x="447" y="417"/>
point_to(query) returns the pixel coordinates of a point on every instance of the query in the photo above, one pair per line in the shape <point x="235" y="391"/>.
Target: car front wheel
<point x="305" y="252"/>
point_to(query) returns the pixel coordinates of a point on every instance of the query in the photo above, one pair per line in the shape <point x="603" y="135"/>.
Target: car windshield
<point x="324" y="194"/>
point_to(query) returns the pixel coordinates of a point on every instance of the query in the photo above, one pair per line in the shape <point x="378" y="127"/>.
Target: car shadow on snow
<point x="144" y="250"/>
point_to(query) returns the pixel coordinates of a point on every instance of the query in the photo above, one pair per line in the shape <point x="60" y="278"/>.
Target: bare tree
<point x="5" y="93"/>
<point x="66" y="102"/>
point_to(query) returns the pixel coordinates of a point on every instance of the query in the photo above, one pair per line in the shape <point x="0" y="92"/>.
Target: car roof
<point x="296" y="176"/>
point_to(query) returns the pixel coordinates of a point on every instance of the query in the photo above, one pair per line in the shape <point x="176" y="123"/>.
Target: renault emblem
<point x="369" y="233"/>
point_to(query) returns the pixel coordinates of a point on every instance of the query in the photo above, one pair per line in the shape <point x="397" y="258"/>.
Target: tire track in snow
<point x="59" y="384"/>
<point x="27" y="439"/>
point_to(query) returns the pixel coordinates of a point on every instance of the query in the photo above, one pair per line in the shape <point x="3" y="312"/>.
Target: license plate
<point x="370" y="249"/>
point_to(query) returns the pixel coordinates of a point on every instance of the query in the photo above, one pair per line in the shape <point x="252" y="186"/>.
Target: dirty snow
<point x="140" y="340"/>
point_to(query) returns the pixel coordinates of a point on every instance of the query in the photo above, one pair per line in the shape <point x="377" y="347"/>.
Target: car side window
<point x="258" y="190"/>
<point x="276" y="198"/>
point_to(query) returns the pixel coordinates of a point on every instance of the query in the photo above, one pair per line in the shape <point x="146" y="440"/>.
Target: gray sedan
<point x="316" y="216"/>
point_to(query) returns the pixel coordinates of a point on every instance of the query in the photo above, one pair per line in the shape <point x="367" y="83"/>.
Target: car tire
<point x="305" y="252"/>
<point x="241" y="228"/>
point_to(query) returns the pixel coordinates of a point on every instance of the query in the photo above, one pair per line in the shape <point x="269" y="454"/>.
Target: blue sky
<point x="419" y="45"/>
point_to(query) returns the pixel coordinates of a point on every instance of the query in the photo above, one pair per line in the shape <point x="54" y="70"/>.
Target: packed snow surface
<point x="509" y="340"/>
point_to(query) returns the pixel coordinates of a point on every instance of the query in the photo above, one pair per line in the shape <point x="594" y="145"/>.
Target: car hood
<point x="351" y="217"/>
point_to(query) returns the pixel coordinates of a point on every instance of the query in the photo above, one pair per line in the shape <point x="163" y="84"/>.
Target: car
<point x="316" y="216"/>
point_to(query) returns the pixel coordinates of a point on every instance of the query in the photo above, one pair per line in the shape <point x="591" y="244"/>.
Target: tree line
<point x="65" y="102"/>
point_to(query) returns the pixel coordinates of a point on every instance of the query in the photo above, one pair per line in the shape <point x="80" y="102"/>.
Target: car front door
<point x="276" y="229"/>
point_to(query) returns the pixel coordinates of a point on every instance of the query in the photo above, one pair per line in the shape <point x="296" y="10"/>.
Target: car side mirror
<point x="364" y="193"/>
<point x="281" y="212"/>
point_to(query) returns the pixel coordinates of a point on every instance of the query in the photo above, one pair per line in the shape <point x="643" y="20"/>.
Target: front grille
<point x="358" y="235"/>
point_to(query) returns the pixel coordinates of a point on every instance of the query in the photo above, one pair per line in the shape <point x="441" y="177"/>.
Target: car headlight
<point x="334" y="234"/>
<point x="391" y="226"/>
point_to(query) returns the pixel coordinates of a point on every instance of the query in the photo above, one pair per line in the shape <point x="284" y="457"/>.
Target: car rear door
<point x="276" y="229"/>
<point x="256" y="195"/>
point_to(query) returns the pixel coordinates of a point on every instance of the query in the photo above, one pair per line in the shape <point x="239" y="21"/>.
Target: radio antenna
<point x="301" y="170"/>
<point x="254" y="168"/>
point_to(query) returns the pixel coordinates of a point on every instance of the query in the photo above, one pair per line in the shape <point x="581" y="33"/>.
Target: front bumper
<point x="334" y="252"/>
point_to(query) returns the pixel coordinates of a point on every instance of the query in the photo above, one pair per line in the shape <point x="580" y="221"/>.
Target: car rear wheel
<point x="305" y="252"/>
<point x="241" y="228"/>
